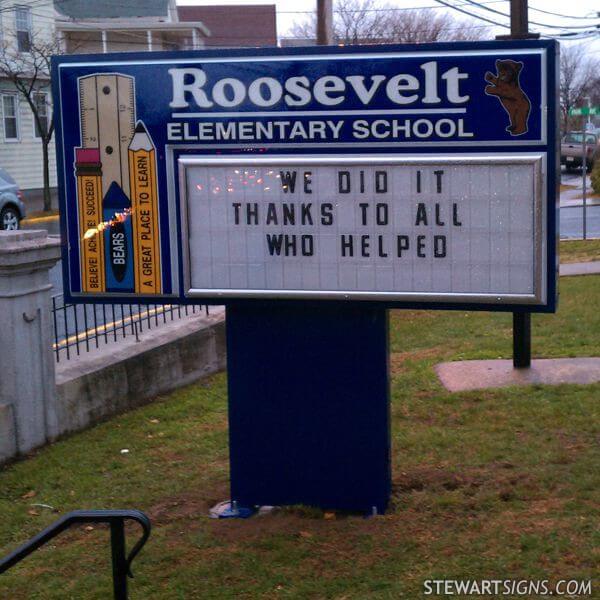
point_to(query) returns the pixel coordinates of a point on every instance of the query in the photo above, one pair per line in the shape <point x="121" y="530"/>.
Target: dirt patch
<point x="339" y="535"/>
<point x="541" y="516"/>
<point x="187" y="506"/>
<point x="500" y="477"/>
<point x="433" y="478"/>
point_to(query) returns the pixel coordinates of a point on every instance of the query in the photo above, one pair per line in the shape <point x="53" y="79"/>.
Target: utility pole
<point x="519" y="22"/>
<point x="519" y="30"/>
<point x="324" y="22"/>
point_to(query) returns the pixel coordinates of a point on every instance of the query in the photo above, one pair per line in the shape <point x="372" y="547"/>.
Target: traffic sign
<point x="584" y="111"/>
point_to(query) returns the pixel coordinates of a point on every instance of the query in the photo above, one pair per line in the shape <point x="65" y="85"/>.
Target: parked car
<point x="571" y="150"/>
<point x="12" y="209"/>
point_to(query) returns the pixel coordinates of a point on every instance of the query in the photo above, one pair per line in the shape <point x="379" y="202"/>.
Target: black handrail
<point x="121" y="564"/>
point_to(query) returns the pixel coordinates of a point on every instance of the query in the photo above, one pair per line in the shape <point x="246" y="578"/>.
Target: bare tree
<point x="578" y="79"/>
<point x="29" y="72"/>
<point x="357" y="20"/>
<point x="419" y="26"/>
<point x="373" y="22"/>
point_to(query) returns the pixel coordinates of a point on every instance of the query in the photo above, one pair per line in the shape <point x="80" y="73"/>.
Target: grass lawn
<point x="579" y="250"/>
<point x="493" y="484"/>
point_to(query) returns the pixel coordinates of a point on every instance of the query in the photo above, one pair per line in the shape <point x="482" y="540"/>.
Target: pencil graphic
<point x="144" y="200"/>
<point x="118" y="240"/>
<point x="88" y="171"/>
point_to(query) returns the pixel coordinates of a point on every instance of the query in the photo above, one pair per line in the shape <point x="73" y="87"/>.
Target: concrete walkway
<point x="583" y="268"/>
<point x="468" y="375"/>
<point x="465" y="375"/>
<point x="572" y="197"/>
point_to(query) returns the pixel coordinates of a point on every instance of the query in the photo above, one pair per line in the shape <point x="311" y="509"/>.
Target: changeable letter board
<point x="407" y="176"/>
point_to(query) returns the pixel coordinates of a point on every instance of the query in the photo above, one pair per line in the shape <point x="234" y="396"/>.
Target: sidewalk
<point x="467" y="375"/>
<point x="583" y="268"/>
<point x="570" y="198"/>
<point x="34" y="200"/>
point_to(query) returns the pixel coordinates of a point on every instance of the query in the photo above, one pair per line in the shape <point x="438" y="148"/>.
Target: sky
<point x="289" y="11"/>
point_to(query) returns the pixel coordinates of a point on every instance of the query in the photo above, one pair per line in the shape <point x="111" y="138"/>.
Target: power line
<point x="581" y="35"/>
<point x="584" y="34"/>
<point x="376" y="10"/>
<point x="96" y="27"/>
<point x="119" y="3"/>
<point x="547" y="12"/>
<point x="448" y="5"/>
<point x="480" y="5"/>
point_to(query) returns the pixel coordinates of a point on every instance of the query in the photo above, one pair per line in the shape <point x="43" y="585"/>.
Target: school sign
<point x="401" y="175"/>
<point x="309" y="190"/>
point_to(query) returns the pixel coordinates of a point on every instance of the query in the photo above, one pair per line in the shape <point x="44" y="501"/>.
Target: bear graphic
<point x="507" y="88"/>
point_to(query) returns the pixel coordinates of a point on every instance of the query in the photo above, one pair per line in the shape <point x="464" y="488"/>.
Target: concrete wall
<point x="94" y="387"/>
<point x="116" y="378"/>
<point x="40" y="401"/>
<point x="8" y="434"/>
<point x="27" y="388"/>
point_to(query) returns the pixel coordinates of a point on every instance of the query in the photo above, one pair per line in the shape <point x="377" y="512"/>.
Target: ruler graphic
<point x="107" y="105"/>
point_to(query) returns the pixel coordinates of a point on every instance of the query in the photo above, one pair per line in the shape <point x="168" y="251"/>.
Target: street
<point x="571" y="209"/>
<point x="571" y="221"/>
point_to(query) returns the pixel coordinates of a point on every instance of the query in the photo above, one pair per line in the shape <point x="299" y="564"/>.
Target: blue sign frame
<point x="418" y="89"/>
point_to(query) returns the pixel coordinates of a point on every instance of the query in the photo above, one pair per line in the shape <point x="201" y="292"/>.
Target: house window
<point x="23" y="27"/>
<point x="40" y="100"/>
<point x="10" y="116"/>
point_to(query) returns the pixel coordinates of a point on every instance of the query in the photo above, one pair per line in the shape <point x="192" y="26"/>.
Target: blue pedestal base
<point x="309" y="406"/>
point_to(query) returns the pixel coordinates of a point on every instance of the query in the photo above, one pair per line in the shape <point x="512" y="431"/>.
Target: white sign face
<point x="453" y="229"/>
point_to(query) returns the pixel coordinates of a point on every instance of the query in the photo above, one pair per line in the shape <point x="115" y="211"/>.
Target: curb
<point x="28" y="220"/>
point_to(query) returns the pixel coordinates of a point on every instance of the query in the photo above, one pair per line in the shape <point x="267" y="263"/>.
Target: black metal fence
<point x="83" y="327"/>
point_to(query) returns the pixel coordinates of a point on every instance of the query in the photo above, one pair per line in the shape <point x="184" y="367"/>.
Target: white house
<point x="81" y="26"/>
<point x="140" y="25"/>
<point x="20" y="145"/>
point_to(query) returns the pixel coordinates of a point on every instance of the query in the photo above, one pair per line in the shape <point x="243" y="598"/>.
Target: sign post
<point x="311" y="190"/>
<point x="585" y="111"/>
<point x="519" y="30"/>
